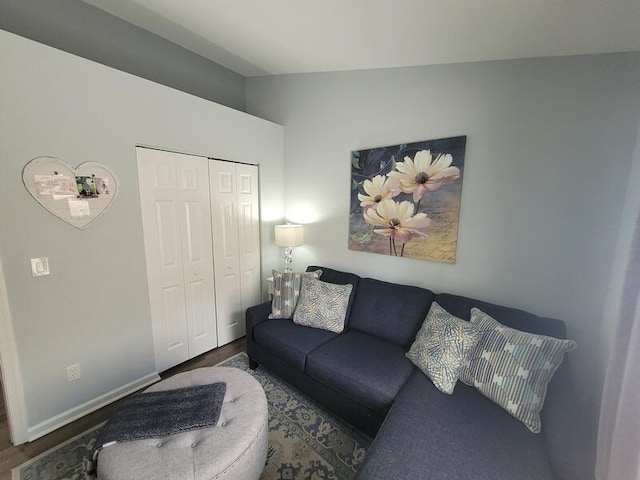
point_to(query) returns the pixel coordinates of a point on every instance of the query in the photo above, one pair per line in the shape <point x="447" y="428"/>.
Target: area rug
<point x="305" y="441"/>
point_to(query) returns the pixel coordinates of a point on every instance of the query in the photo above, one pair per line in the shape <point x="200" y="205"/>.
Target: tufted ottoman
<point x="235" y="449"/>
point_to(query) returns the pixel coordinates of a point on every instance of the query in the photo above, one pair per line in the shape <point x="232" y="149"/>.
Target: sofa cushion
<point x="322" y="305"/>
<point x="511" y="317"/>
<point x="339" y="278"/>
<point x="365" y="368"/>
<point x="430" y="436"/>
<point x="390" y="311"/>
<point x="286" y="290"/>
<point x="512" y="367"/>
<point x="441" y="347"/>
<point x="289" y="341"/>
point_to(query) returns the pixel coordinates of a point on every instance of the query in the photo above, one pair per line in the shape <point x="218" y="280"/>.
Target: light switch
<point x="39" y="266"/>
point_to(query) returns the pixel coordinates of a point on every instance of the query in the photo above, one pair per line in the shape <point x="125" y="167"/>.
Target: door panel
<point x="193" y="230"/>
<point x="168" y="239"/>
<point x="199" y="314"/>
<point x="230" y="319"/>
<point x="173" y="302"/>
<point x="228" y="232"/>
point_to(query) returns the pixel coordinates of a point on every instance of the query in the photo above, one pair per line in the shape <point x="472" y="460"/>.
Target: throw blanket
<point x="159" y="414"/>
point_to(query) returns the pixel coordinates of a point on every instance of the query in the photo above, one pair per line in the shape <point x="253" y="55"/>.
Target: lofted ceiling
<point x="262" y="37"/>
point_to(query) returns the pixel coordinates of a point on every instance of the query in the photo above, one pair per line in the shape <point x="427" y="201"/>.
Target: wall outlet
<point x="39" y="266"/>
<point x="73" y="372"/>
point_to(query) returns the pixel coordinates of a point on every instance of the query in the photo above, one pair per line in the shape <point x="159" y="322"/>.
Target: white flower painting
<point x="405" y="199"/>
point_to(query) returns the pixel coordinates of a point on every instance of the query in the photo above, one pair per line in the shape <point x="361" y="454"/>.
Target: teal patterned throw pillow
<point x="286" y="289"/>
<point x="513" y="368"/>
<point x="322" y="305"/>
<point x="441" y="346"/>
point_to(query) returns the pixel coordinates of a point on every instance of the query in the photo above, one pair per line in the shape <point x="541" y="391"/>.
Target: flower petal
<point x="419" y="220"/>
<point x="368" y="187"/>
<point x="442" y="162"/>
<point x="407" y="167"/>
<point x="371" y="216"/>
<point x="378" y="181"/>
<point x="419" y="192"/>
<point x="405" y="210"/>
<point x="387" y="209"/>
<point x="387" y="232"/>
<point x="422" y="160"/>
<point x="450" y="173"/>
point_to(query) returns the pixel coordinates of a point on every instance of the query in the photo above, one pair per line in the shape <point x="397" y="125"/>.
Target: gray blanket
<point x="159" y="414"/>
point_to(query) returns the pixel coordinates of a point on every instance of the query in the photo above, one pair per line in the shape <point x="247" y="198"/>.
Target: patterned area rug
<point x="305" y="441"/>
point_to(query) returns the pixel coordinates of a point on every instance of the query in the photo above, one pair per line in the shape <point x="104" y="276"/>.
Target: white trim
<point x="10" y="370"/>
<point x="72" y="414"/>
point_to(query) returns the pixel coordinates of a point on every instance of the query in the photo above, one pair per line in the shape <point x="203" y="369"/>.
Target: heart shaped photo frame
<point x="77" y="195"/>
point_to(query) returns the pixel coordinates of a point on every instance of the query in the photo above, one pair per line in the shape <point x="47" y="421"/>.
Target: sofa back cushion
<point x="339" y="278"/>
<point x="511" y="317"/>
<point x="390" y="311"/>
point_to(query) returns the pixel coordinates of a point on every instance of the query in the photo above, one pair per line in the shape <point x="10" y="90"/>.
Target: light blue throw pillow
<point x="322" y="305"/>
<point x="441" y="345"/>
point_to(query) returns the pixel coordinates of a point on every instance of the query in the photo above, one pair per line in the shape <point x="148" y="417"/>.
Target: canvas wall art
<point x="405" y="199"/>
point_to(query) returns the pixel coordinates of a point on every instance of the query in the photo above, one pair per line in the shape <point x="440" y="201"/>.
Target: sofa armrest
<point x="571" y="440"/>
<point x="255" y="315"/>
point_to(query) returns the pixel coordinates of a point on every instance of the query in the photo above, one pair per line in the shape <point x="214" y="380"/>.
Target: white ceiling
<point x="259" y="37"/>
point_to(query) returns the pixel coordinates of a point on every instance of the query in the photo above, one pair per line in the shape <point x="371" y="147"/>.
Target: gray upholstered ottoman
<point x="235" y="449"/>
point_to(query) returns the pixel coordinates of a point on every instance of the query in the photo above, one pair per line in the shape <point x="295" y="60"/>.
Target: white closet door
<point x="223" y="184"/>
<point x="177" y="232"/>
<point x="197" y="253"/>
<point x="249" y="236"/>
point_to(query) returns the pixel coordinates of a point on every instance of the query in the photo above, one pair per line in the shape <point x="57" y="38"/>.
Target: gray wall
<point x="549" y="150"/>
<point x="94" y="307"/>
<point x="84" y="30"/>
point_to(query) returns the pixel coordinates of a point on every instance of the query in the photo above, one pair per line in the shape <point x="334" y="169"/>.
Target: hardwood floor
<point x="11" y="456"/>
<point x="4" y="427"/>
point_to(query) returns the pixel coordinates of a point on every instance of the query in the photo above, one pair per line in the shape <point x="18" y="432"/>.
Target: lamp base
<point x="287" y="259"/>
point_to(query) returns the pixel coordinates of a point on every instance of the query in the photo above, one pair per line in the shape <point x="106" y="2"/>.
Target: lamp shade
<point x="289" y="235"/>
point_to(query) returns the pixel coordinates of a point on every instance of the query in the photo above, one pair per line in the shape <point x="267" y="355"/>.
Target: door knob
<point x="196" y="272"/>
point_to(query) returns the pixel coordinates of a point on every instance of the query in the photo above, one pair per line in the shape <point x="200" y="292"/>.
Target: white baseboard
<point x="75" y="413"/>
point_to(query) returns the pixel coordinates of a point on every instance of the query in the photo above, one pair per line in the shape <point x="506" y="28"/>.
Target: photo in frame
<point x="405" y="199"/>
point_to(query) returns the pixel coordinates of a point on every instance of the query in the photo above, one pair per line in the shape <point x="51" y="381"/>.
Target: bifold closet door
<point x="249" y="236"/>
<point x="174" y="192"/>
<point x="236" y="244"/>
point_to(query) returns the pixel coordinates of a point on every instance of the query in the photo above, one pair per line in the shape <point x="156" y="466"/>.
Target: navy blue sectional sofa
<point x="362" y="375"/>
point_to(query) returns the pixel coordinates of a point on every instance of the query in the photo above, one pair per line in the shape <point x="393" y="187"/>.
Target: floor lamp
<point x="289" y="236"/>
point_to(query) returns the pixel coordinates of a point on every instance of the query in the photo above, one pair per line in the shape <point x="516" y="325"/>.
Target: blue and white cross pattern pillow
<point x="441" y="345"/>
<point x="513" y="368"/>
